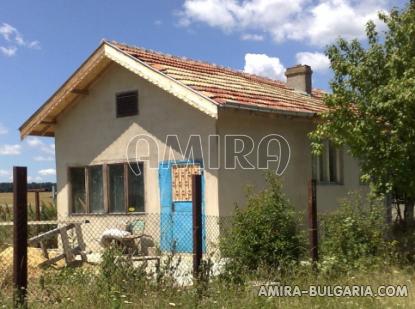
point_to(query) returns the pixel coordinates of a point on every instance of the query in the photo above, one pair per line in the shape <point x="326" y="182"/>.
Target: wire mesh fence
<point x="151" y="239"/>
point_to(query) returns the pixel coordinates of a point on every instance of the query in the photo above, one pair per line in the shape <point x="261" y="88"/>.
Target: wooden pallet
<point x="69" y="254"/>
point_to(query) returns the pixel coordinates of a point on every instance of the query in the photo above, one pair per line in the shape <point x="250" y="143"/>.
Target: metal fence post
<point x="312" y="220"/>
<point x="20" y="235"/>
<point x="37" y="202"/>
<point x="37" y="206"/>
<point x="197" y="222"/>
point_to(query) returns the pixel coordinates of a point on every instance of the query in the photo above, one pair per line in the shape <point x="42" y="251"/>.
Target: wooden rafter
<point x="80" y="91"/>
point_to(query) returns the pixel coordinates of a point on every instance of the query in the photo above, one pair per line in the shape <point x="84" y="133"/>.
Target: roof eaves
<point x="269" y="110"/>
<point x="175" y="81"/>
<point x="46" y="103"/>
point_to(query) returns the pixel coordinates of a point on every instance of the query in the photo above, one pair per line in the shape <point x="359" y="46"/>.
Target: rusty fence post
<point x="37" y="206"/>
<point x="20" y="235"/>
<point x="312" y="221"/>
<point x="37" y="202"/>
<point x="197" y="222"/>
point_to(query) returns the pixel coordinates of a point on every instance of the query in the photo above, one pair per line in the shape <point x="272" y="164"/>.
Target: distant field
<point x="7" y="198"/>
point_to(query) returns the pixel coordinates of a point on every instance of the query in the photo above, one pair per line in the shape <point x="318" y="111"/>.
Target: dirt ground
<point x="34" y="258"/>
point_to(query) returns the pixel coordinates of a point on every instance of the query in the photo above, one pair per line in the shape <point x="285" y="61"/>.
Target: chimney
<point x="299" y="78"/>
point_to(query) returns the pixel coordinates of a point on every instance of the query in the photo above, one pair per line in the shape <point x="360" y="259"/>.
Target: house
<point x="131" y="126"/>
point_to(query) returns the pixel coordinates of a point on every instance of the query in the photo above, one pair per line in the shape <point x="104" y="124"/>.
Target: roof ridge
<point x="254" y="77"/>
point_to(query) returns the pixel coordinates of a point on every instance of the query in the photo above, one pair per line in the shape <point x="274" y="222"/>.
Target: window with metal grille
<point x="127" y="104"/>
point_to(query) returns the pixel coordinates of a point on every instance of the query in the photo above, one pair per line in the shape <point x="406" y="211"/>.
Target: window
<point x="96" y="189"/>
<point x="135" y="189"/>
<point x="328" y="166"/>
<point x="77" y="180"/>
<point x="114" y="188"/>
<point x="127" y="104"/>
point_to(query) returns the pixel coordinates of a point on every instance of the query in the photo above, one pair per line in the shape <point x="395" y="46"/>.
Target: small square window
<point x="127" y="104"/>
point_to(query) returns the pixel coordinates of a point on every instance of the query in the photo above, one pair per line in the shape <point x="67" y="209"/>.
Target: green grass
<point x="48" y="212"/>
<point x="83" y="288"/>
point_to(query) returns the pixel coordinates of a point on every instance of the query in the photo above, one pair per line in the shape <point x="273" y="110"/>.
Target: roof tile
<point x="224" y="85"/>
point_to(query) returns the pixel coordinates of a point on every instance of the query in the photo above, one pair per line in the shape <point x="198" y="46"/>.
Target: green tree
<point x="372" y="105"/>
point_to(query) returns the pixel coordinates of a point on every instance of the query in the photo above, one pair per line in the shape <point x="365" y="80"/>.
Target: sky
<point x="43" y="42"/>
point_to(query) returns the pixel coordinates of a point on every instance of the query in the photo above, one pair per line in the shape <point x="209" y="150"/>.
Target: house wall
<point x="89" y="133"/>
<point x="232" y="183"/>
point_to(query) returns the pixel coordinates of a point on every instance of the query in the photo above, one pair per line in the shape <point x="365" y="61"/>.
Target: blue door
<point x="176" y="232"/>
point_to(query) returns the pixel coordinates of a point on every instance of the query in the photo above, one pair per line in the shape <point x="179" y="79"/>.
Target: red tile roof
<point x="227" y="86"/>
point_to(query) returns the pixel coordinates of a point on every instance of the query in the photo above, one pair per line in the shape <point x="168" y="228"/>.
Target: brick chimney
<point x="299" y="78"/>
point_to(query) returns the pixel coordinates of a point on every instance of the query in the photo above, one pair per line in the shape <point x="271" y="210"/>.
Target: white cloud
<point x="215" y="13"/>
<point x="29" y="178"/>
<point x="34" y="179"/>
<point x="48" y="149"/>
<point x="317" y="61"/>
<point x="34" y="45"/>
<point x="315" y="22"/>
<point x="3" y="129"/>
<point x="36" y="142"/>
<point x="47" y="172"/>
<point x="5" y="173"/>
<point x="252" y="37"/>
<point x="261" y="64"/>
<point x="8" y="51"/>
<point x="7" y="31"/>
<point x="10" y="150"/>
<point x="43" y="158"/>
<point x="14" y="39"/>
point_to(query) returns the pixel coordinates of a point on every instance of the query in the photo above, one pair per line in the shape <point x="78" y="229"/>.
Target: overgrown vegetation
<point x="355" y="236"/>
<point x="264" y="234"/>
<point x="265" y="243"/>
<point x="47" y="212"/>
<point x="372" y="104"/>
<point x="123" y="287"/>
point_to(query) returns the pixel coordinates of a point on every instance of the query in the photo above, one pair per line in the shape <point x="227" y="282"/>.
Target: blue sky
<point x="43" y="42"/>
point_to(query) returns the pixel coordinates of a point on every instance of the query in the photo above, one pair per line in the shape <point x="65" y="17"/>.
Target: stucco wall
<point x="89" y="133"/>
<point x="330" y="195"/>
<point x="232" y="183"/>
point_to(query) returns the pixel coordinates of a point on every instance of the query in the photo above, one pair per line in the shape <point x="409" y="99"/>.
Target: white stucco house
<point x="123" y="119"/>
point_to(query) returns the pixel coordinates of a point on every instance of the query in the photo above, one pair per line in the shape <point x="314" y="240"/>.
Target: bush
<point x="263" y="234"/>
<point x="118" y="272"/>
<point x="353" y="236"/>
<point x="403" y="236"/>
